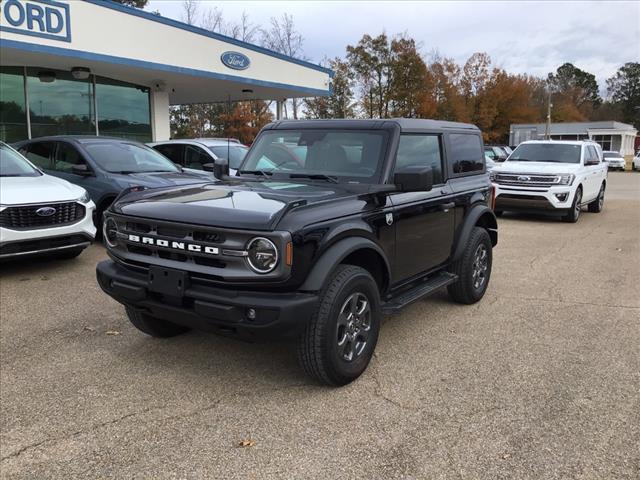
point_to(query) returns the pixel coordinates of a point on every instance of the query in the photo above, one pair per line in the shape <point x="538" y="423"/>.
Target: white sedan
<point x="41" y="214"/>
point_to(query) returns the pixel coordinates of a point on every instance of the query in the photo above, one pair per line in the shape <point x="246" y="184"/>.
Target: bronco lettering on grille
<point x="159" y="242"/>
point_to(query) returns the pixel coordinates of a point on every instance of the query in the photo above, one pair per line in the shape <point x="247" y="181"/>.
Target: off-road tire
<point x="463" y="290"/>
<point x="318" y="350"/>
<point x="155" y="327"/>
<point x="598" y="204"/>
<point x="498" y="213"/>
<point x="574" y="213"/>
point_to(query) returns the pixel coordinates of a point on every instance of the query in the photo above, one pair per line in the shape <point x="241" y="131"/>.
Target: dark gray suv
<point x="105" y="166"/>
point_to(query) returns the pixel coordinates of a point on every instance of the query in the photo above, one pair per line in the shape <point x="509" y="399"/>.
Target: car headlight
<point x="110" y="232"/>
<point x="262" y="255"/>
<point x="84" y="198"/>
<point x="566" y="179"/>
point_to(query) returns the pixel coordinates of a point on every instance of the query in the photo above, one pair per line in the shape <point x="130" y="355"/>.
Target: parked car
<point x="41" y="214"/>
<point x="367" y="217"/>
<point x="497" y="154"/>
<point x="635" y="165"/>
<point x="614" y="160"/>
<point x="105" y="166"/>
<point x="559" y="177"/>
<point x="202" y="153"/>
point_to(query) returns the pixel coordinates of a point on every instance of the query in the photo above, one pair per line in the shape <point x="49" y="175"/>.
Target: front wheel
<point x="597" y="205"/>
<point x="574" y="213"/>
<point x="338" y="341"/>
<point x="473" y="268"/>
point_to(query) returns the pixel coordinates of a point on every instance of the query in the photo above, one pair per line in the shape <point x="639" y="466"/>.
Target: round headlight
<point x="262" y="255"/>
<point x="110" y="232"/>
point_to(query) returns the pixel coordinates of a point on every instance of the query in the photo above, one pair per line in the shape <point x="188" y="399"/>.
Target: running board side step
<point x="422" y="289"/>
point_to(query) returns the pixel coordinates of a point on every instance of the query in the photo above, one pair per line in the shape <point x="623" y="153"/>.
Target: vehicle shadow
<point x="32" y="265"/>
<point x="527" y="217"/>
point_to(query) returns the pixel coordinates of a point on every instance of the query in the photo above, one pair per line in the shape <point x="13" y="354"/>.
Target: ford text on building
<point x="40" y="18"/>
<point x="97" y="67"/>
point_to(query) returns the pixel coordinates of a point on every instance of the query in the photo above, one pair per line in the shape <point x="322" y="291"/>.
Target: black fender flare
<point x="478" y="215"/>
<point x="332" y="257"/>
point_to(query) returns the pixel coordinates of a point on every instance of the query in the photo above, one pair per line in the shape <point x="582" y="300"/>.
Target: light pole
<point x="549" y="105"/>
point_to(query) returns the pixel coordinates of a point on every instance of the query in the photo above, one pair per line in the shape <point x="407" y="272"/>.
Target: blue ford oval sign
<point x="235" y="60"/>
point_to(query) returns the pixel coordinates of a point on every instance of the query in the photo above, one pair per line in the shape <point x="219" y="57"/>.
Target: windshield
<point x="12" y="164"/>
<point x="546" y="152"/>
<point x="612" y="155"/>
<point x="351" y="155"/>
<point x="234" y="153"/>
<point x="125" y="157"/>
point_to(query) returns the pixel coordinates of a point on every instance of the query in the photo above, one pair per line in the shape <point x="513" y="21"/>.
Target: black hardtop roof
<point x="411" y="124"/>
<point x="80" y="139"/>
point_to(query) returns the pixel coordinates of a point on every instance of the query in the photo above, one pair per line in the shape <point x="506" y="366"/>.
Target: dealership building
<point x="617" y="136"/>
<point x="96" y="67"/>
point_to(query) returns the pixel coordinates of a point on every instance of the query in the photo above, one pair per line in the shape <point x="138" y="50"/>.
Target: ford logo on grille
<point x="45" y="211"/>
<point x="523" y="178"/>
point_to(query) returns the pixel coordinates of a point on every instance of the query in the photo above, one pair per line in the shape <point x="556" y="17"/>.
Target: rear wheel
<point x="597" y="205"/>
<point x="473" y="268"/>
<point x="155" y="327"/>
<point x="574" y="213"/>
<point x="338" y="341"/>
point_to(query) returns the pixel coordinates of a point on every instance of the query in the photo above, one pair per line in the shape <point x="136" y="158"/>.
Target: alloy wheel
<point x="354" y="326"/>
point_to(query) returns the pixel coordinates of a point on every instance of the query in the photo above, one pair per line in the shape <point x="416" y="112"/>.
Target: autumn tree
<point x="339" y="104"/>
<point x="370" y="61"/>
<point x="246" y="119"/>
<point x="408" y="82"/>
<point x="575" y="93"/>
<point x="624" y="89"/>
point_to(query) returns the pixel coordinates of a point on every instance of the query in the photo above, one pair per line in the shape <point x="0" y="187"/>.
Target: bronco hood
<point x="251" y="205"/>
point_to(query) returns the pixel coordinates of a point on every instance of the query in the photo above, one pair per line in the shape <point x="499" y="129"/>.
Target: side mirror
<point x="591" y="161"/>
<point x="81" y="170"/>
<point x="221" y="168"/>
<point x="178" y="166"/>
<point x="414" y="178"/>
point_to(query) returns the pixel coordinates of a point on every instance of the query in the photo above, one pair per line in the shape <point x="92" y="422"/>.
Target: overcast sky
<point x="522" y="37"/>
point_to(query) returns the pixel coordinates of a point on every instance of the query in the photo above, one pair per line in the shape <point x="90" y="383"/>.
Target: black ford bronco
<point x="328" y="225"/>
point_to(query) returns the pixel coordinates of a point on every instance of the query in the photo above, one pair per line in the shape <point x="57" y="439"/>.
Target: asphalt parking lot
<point x="539" y="380"/>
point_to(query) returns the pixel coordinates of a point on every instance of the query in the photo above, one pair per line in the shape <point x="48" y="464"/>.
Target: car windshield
<point x="234" y="153"/>
<point x="612" y="155"/>
<point x="546" y="152"/>
<point x="338" y="155"/>
<point x="124" y="157"/>
<point x="12" y="164"/>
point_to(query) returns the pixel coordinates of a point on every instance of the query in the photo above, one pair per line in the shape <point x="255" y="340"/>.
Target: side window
<point x="66" y="157"/>
<point x="593" y="153"/>
<point x="421" y="150"/>
<point x="40" y="153"/>
<point x="172" y="151"/>
<point x="195" y="157"/>
<point x="466" y="153"/>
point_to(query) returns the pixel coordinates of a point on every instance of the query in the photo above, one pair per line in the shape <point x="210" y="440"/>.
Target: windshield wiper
<point x="264" y="173"/>
<point x="315" y="176"/>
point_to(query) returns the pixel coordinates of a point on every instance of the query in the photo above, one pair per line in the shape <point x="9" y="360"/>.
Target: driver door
<point x="424" y="220"/>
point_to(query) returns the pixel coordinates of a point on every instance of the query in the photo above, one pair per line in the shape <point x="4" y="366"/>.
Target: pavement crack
<point x="96" y="426"/>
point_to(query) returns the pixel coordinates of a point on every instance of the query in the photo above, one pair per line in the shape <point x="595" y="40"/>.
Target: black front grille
<point x="27" y="217"/>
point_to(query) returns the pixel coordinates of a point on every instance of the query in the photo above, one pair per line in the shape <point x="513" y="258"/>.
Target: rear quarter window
<point x="466" y="154"/>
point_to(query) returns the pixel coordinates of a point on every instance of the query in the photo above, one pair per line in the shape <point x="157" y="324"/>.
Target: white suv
<point x="41" y="214"/>
<point x="553" y="176"/>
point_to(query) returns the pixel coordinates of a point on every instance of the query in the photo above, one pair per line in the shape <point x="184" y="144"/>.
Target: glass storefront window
<point x="13" y="114"/>
<point x="59" y="104"/>
<point x="123" y="110"/>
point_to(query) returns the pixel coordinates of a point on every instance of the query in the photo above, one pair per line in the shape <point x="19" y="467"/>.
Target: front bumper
<point x="208" y="308"/>
<point x="16" y="243"/>
<point x="556" y="199"/>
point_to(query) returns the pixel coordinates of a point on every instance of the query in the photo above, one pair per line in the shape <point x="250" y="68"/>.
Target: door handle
<point x="447" y="206"/>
